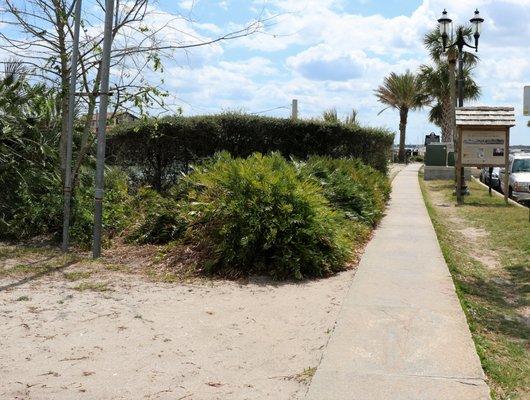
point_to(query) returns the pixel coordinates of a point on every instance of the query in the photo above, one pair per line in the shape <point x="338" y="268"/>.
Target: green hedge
<point x="158" y="150"/>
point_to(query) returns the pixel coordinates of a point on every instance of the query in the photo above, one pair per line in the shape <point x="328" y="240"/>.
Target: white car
<point x="518" y="177"/>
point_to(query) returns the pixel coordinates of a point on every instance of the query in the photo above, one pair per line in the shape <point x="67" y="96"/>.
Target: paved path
<point x="401" y="333"/>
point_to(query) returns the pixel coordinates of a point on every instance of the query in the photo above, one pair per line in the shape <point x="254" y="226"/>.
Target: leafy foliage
<point x="159" y="150"/>
<point x="160" y="220"/>
<point x="403" y="92"/>
<point x="259" y="215"/>
<point x="29" y="129"/>
<point x="116" y="206"/>
<point x="436" y="79"/>
<point x="358" y="190"/>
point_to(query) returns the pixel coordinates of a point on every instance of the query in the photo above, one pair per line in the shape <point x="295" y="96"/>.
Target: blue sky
<point x="334" y="53"/>
<point x="325" y="53"/>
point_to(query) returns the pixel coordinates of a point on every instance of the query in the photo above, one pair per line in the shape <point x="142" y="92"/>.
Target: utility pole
<point x="102" y="127"/>
<point x="294" y="110"/>
<point x="70" y="127"/>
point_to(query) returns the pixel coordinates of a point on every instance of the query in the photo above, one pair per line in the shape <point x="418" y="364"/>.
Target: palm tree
<point x="404" y="92"/>
<point x="439" y="79"/>
<point x="436" y="81"/>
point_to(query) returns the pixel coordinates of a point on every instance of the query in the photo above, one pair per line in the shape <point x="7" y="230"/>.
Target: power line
<point x="270" y="109"/>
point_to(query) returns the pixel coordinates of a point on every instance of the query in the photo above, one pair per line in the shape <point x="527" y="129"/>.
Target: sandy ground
<point x="147" y="340"/>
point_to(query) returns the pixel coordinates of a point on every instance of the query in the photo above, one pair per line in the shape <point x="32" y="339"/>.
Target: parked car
<point x="485" y="177"/>
<point x="518" y="177"/>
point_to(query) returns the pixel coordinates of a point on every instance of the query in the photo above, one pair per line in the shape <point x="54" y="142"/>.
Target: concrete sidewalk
<point x="401" y="333"/>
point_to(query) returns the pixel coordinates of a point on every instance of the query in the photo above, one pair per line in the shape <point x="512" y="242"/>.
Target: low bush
<point x="31" y="209"/>
<point x="38" y="209"/>
<point x="358" y="190"/>
<point x="159" y="219"/>
<point x="116" y="206"/>
<point x="259" y="215"/>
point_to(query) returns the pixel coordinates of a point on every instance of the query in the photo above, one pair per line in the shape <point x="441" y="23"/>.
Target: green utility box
<point x="451" y="159"/>
<point x="436" y="154"/>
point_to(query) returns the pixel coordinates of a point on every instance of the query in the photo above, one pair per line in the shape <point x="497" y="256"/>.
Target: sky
<point x="334" y="53"/>
<point x="327" y="54"/>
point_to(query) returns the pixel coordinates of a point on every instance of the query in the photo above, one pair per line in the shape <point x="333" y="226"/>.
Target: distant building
<point x="119" y="118"/>
<point x="432" y="138"/>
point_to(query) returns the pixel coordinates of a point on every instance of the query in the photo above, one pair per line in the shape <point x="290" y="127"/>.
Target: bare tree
<point x="41" y="32"/>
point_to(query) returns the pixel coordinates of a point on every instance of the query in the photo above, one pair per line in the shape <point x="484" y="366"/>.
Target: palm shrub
<point x="30" y="202"/>
<point x="159" y="219"/>
<point x="360" y="191"/>
<point x="259" y="215"/>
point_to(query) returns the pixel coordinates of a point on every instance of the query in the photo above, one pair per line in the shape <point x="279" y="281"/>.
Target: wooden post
<point x="458" y="166"/>
<point x="294" y="110"/>
<point x="507" y="166"/>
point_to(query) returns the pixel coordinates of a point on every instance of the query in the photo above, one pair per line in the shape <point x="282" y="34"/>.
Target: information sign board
<point x="483" y="147"/>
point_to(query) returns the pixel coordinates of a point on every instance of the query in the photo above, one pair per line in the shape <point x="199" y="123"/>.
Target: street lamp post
<point x="444" y="24"/>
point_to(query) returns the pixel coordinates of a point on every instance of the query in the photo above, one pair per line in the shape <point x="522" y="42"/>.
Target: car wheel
<point x="510" y="191"/>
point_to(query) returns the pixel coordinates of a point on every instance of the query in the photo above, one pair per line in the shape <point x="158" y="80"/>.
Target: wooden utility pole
<point x="294" y="110"/>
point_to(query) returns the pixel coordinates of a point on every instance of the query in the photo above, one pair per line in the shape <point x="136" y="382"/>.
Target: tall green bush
<point x="259" y="215"/>
<point x="159" y="218"/>
<point x="360" y="191"/>
<point x="158" y="150"/>
<point x="117" y="209"/>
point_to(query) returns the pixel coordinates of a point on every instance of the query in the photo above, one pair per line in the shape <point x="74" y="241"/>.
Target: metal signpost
<point x="102" y="127"/>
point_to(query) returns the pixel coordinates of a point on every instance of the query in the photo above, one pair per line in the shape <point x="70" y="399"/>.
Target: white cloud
<point x="187" y="4"/>
<point x="325" y="57"/>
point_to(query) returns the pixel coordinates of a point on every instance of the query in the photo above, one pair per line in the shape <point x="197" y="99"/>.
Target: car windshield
<point x="521" y="165"/>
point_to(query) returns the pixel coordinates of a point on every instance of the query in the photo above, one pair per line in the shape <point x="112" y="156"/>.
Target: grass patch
<point x="23" y="298"/>
<point x="303" y="377"/>
<point x="494" y="299"/>
<point x="92" y="286"/>
<point x="117" y="267"/>
<point x="77" y="275"/>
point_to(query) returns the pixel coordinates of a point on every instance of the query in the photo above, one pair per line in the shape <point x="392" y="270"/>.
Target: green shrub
<point x="33" y="209"/>
<point x="259" y="215"/>
<point x="358" y="190"/>
<point x="160" y="221"/>
<point x="116" y="206"/>
<point x="158" y="150"/>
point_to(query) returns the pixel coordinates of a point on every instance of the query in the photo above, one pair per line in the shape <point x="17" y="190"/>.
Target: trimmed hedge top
<point x="161" y="148"/>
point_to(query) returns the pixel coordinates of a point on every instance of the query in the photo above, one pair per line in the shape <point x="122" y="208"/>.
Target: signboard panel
<point x="483" y="147"/>
<point x="526" y="101"/>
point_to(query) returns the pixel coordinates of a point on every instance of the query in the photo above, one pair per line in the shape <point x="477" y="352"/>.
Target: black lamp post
<point x="444" y="24"/>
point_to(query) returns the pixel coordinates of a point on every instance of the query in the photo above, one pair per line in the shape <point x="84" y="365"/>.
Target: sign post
<point x="483" y="139"/>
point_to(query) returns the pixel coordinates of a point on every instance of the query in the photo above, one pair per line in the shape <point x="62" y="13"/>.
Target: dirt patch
<point x="476" y="238"/>
<point x="146" y="340"/>
<point x="474" y="234"/>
